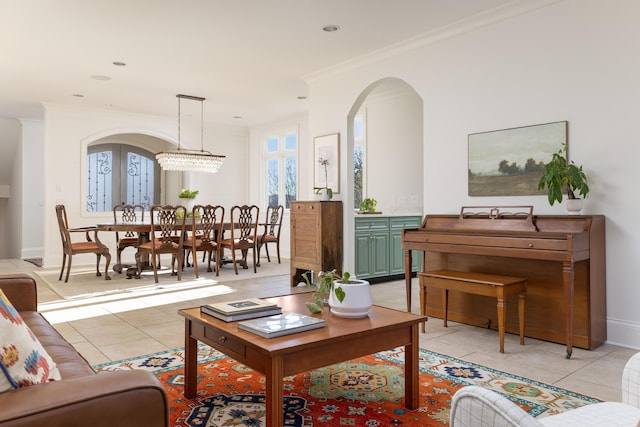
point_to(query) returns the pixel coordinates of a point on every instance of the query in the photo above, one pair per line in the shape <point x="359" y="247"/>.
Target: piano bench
<point x="484" y="284"/>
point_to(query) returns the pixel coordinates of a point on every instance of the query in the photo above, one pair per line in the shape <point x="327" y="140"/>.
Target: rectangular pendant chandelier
<point x="190" y="160"/>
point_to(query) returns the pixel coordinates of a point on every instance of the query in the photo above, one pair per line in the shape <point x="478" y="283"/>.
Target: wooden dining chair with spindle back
<point x="71" y="246"/>
<point x="244" y="234"/>
<point x="206" y="232"/>
<point x="126" y="214"/>
<point x="271" y="232"/>
<point x="167" y="237"/>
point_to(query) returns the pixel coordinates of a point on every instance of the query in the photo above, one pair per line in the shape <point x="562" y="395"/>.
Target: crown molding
<point x="471" y="23"/>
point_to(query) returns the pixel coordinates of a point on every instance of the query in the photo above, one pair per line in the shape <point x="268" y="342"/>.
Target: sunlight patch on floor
<point x="144" y="297"/>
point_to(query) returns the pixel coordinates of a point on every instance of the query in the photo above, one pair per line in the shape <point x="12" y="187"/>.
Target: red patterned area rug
<point x="368" y="391"/>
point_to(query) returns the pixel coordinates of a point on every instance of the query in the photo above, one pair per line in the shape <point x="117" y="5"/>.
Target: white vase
<point x="324" y="195"/>
<point x="357" y="300"/>
<point x="574" y="206"/>
<point x="188" y="204"/>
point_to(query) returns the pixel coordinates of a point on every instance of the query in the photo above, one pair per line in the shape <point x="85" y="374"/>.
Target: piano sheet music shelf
<point x="562" y="256"/>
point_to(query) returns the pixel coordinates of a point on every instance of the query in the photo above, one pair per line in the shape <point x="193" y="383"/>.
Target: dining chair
<point x="244" y="234"/>
<point x="206" y="232"/>
<point x="167" y="237"/>
<point x="126" y="214"/>
<point x="271" y="234"/>
<point x="86" y="246"/>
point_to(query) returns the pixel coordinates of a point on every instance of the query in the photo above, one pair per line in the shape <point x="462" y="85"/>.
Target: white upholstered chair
<point x="474" y="406"/>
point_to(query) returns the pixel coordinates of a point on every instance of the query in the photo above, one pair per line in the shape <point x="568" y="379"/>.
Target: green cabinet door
<point x="371" y="247"/>
<point x="396" y="254"/>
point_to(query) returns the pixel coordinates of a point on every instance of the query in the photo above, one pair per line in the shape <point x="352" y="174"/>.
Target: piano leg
<point x="568" y="281"/>
<point x="407" y="277"/>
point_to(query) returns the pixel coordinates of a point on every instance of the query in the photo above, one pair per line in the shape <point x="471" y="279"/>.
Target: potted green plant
<point x="345" y="296"/>
<point x="187" y="194"/>
<point x="559" y="175"/>
<point x="368" y="205"/>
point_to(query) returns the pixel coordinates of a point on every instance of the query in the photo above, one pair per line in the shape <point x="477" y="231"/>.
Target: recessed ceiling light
<point x="119" y="63"/>
<point x="78" y="95"/>
<point x="330" y="28"/>
<point x="99" y="77"/>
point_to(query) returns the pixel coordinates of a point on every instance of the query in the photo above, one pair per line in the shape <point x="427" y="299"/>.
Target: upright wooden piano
<point x="563" y="258"/>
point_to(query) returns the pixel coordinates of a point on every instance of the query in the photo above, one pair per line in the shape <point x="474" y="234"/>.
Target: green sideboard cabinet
<point x="378" y="245"/>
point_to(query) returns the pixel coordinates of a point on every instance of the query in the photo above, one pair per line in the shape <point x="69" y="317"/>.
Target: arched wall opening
<point x="393" y="160"/>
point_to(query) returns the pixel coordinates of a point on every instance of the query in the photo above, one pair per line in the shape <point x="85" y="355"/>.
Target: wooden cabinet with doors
<point x="378" y="245"/>
<point x="316" y="238"/>
<point x="372" y="247"/>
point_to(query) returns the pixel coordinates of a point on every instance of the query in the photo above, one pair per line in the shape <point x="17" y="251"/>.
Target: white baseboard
<point x="32" y="253"/>
<point x="623" y="333"/>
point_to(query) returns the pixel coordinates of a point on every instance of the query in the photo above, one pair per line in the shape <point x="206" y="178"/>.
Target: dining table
<point x="143" y="231"/>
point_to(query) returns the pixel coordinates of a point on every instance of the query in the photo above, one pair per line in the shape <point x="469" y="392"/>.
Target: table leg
<point x="411" y="371"/>
<point x="274" y="399"/>
<point x="190" y="362"/>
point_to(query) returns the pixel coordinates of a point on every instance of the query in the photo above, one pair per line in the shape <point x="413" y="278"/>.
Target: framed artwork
<point x="509" y="162"/>
<point x="327" y="162"/>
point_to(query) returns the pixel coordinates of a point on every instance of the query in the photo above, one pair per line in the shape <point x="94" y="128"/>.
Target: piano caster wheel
<point x="568" y="356"/>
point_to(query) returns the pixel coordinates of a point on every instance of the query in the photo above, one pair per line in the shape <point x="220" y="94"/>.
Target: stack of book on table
<point x="247" y="308"/>
<point x="281" y="324"/>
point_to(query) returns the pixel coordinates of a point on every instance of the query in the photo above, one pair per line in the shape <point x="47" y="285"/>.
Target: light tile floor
<point x="104" y="331"/>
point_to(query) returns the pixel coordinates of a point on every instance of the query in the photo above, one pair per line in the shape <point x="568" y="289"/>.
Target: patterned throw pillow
<point x="23" y="360"/>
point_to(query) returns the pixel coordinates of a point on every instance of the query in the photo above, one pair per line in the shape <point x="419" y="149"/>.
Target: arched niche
<point x="393" y="151"/>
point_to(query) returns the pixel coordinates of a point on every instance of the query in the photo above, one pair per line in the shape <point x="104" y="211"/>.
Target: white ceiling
<point x="249" y="58"/>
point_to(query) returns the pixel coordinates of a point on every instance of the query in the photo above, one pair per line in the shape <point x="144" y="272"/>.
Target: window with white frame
<point x="121" y="174"/>
<point x="281" y="165"/>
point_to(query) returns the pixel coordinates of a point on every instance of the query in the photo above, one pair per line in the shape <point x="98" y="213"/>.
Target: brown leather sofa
<point x="82" y="397"/>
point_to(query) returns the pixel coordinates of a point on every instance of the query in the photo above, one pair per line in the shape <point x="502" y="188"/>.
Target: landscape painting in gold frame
<point x="509" y="162"/>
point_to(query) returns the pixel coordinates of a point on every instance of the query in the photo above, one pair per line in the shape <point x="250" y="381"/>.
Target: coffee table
<point x="341" y="340"/>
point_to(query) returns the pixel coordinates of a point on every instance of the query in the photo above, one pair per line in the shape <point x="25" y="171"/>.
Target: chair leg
<point x="218" y="261"/>
<point x="154" y="264"/>
<point x="259" y="248"/>
<point x="278" y="250"/>
<point x="66" y="279"/>
<point x="195" y="261"/>
<point x="255" y="269"/>
<point x="180" y="261"/>
<point x="266" y="249"/>
<point x="233" y="257"/>
<point x="64" y="262"/>
<point x="209" y="269"/>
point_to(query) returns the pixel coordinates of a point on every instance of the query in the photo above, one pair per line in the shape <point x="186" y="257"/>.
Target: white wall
<point x="571" y="60"/>
<point x="393" y="151"/>
<point x="31" y="168"/>
<point x="69" y="130"/>
<point x="10" y="194"/>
